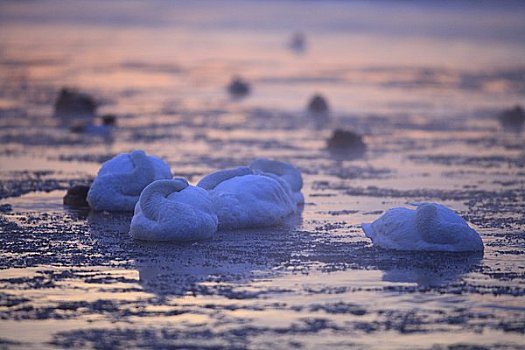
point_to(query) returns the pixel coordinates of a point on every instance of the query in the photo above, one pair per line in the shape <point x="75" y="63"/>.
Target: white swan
<point x="121" y="179"/>
<point x="431" y="227"/>
<point x="244" y="199"/>
<point x="172" y="210"/>
<point x="284" y="170"/>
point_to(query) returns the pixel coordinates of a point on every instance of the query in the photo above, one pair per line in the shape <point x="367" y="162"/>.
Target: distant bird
<point x="244" y="199"/>
<point x="239" y="87"/>
<point x="431" y="227"/>
<point x="297" y="43"/>
<point x="72" y="105"/>
<point x="121" y="179"/>
<point x="76" y="196"/>
<point x="513" y="118"/>
<point x="173" y="210"/>
<point x="318" y="104"/>
<point x="345" y="140"/>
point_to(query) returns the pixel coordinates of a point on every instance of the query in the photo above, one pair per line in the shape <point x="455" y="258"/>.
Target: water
<point x="423" y="82"/>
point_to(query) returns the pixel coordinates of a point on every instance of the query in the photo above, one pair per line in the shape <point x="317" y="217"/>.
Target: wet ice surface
<point x="72" y="278"/>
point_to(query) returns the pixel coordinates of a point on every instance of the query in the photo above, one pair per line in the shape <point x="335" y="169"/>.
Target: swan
<point x="430" y="227"/>
<point x="173" y="210"/>
<point x="244" y="199"/>
<point x="121" y="179"/>
<point x="284" y="170"/>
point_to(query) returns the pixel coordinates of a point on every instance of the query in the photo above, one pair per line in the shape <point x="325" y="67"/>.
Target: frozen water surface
<point x="423" y="83"/>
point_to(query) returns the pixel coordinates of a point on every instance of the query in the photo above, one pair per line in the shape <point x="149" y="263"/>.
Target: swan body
<point x="244" y="199"/>
<point x="120" y="180"/>
<point x="430" y="227"/>
<point x="173" y="210"/>
<point x="285" y="171"/>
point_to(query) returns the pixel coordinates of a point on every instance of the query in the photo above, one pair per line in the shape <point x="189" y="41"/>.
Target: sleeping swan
<point x="172" y="210"/>
<point x="121" y="179"/>
<point x="244" y="199"/>
<point x="431" y="227"/>
<point x="284" y="170"/>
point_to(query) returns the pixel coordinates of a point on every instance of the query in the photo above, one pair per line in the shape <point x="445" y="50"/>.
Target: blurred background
<point x="163" y="68"/>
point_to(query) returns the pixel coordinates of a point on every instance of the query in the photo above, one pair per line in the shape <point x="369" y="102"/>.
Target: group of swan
<point x="264" y="193"/>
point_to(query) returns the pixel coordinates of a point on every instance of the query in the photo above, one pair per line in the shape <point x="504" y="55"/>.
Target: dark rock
<point x="318" y="104"/>
<point x="73" y="104"/>
<point x="345" y="140"/>
<point x="239" y="87"/>
<point x="297" y="43"/>
<point x="513" y="118"/>
<point x="109" y="119"/>
<point x="76" y="196"/>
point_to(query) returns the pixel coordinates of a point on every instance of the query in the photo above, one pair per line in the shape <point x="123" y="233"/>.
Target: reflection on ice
<point x="432" y="270"/>
<point x="232" y="258"/>
<point x="100" y="223"/>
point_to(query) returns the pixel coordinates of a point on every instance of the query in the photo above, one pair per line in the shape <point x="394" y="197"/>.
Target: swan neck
<point x="209" y="182"/>
<point x="154" y="197"/>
